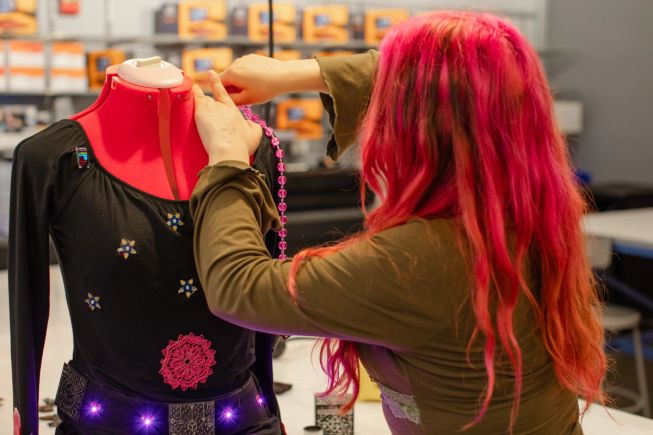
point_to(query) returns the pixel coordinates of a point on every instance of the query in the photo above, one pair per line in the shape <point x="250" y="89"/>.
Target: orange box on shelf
<point x="379" y="21"/>
<point x="26" y="66"/>
<point x="326" y="23"/>
<point x="98" y="62"/>
<point x="18" y="18"/>
<point x="283" y="54"/>
<point x="197" y="62"/>
<point x="304" y="115"/>
<point x="284" y="16"/>
<point x="68" y="73"/>
<point x="25" y="79"/>
<point x="203" y="19"/>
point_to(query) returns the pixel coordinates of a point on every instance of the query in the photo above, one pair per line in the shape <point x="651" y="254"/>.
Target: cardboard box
<point x="379" y="21"/>
<point x="238" y="21"/>
<point x="3" y="72"/>
<point x="68" y="73"/>
<point x="203" y="19"/>
<point x="18" y="17"/>
<point x="284" y="16"/>
<point x="326" y="23"/>
<point x="98" y="62"/>
<point x="166" y="18"/>
<point x="69" y="7"/>
<point x="304" y="115"/>
<point x="283" y="54"/>
<point x="26" y="64"/>
<point x="197" y="62"/>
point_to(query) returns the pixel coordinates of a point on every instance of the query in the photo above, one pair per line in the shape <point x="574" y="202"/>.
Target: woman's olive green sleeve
<point x="349" y="79"/>
<point x="347" y="294"/>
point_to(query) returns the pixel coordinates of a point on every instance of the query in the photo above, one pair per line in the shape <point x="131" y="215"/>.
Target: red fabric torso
<point x="138" y="134"/>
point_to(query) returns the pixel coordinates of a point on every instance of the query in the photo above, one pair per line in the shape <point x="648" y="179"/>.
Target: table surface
<point x="296" y="366"/>
<point x="633" y="227"/>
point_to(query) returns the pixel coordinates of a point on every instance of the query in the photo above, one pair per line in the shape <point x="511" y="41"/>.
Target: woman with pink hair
<point x="468" y="296"/>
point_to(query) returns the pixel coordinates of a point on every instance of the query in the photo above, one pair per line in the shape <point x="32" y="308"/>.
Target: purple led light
<point x="260" y="400"/>
<point x="228" y="415"/>
<point x="147" y="421"/>
<point x="94" y="409"/>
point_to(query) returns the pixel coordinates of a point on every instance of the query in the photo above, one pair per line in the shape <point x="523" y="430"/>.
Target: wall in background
<point x="603" y="56"/>
<point x="135" y="17"/>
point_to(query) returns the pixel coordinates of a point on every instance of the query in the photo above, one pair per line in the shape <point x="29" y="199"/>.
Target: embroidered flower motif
<point x="174" y="220"/>
<point x="187" y="287"/>
<point x="187" y="361"/>
<point x="93" y="302"/>
<point x="127" y="248"/>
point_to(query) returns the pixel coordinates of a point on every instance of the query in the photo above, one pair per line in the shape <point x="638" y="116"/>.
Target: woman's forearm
<point x="304" y="76"/>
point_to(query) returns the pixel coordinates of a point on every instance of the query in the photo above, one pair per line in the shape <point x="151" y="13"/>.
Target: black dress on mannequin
<point x="140" y="320"/>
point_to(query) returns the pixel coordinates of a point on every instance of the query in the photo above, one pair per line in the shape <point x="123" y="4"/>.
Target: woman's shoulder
<point x="431" y="235"/>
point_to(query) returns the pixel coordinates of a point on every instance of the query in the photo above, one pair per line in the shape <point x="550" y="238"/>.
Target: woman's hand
<point x="255" y="79"/>
<point x="225" y="134"/>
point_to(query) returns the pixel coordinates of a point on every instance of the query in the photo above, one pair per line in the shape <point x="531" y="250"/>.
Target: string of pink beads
<point x="249" y="114"/>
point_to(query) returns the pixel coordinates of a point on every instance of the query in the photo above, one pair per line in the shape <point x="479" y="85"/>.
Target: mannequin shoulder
<point x="49" y="144"/>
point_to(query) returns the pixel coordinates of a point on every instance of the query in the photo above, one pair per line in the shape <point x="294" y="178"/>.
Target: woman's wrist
<point x="302" y="76"/>
<point x="218" y="156"/>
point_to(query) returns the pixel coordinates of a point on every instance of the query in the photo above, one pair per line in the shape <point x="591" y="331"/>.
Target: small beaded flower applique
<point x="281" y="180"/>
<point x="187" y="287"/>
<point x="187" y="361"/>
<point x="127" y="248"/>
<point x="174" y="220"/>
<point x="93" y="302"/>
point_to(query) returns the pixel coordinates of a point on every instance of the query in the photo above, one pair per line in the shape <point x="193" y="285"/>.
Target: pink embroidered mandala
<point x="187" y="361"/>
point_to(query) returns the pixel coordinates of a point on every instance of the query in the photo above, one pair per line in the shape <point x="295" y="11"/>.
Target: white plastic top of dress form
<point x="151" y="72"/>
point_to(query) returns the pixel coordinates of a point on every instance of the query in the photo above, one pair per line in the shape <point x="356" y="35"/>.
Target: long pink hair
<point x="460" y="125"/>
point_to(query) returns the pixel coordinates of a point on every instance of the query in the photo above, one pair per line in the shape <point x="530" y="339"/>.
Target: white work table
<point x="632" y="227"/>
<point x="294" y="367"/>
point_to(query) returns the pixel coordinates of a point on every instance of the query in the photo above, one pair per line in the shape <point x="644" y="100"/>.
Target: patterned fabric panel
<point x="402" y="406"/>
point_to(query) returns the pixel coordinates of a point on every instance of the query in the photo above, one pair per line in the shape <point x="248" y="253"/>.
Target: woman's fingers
<point x="220" y="94"/>
<point x="197" y="92"/>
<point x="241" y="98"/>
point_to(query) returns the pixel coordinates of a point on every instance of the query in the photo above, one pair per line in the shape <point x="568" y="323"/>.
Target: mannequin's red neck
<point x="138" y="132"/>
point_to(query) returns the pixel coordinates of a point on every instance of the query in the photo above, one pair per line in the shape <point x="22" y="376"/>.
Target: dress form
<point x="138" y="133"/>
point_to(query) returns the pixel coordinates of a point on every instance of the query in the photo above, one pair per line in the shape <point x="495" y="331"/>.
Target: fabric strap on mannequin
<point x="164" y="140"/>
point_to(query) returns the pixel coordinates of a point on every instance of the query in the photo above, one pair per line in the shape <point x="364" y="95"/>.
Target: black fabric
<point x="87" y="212"/>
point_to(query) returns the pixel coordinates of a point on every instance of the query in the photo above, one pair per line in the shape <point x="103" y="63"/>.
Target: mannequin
<point x="122" y="231"/>
<point x="161" y="132"/>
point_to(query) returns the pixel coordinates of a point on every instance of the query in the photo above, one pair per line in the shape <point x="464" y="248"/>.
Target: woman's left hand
<point x="225" y="134"/>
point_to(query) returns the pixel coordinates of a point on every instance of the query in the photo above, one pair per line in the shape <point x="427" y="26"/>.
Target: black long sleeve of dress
<point x="29" y="291"/>
<point x="134" y="297"/>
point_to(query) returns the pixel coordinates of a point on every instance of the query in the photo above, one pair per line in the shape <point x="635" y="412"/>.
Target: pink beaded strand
<point x="281" y="168"/>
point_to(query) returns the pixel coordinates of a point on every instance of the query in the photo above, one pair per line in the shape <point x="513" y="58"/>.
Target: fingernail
<point x="212" y="74"/>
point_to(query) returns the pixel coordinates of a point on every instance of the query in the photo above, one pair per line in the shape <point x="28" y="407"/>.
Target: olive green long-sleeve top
<point x="402" y="295"/>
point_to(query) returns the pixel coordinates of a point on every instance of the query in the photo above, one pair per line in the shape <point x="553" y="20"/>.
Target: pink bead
<point x="283" y="245"/>
<point x="284" y="219"/>
<point x="282" y="193"/>
<point x="282" y="256"/>
<point x="281" y="180"/>
<point x="275" y="141"/>
<point x="281" y="167"/>
<point x="280" y="153"/>
<point x="283" y="232"/>
<point x="282" y="207"/>
<point x="268" y="131"/>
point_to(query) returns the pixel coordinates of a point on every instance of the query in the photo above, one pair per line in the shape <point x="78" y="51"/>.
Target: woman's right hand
<point x="255" y="79"/>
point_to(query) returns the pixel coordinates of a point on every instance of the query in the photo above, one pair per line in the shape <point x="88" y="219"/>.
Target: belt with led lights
<point x="97" y="409"/>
